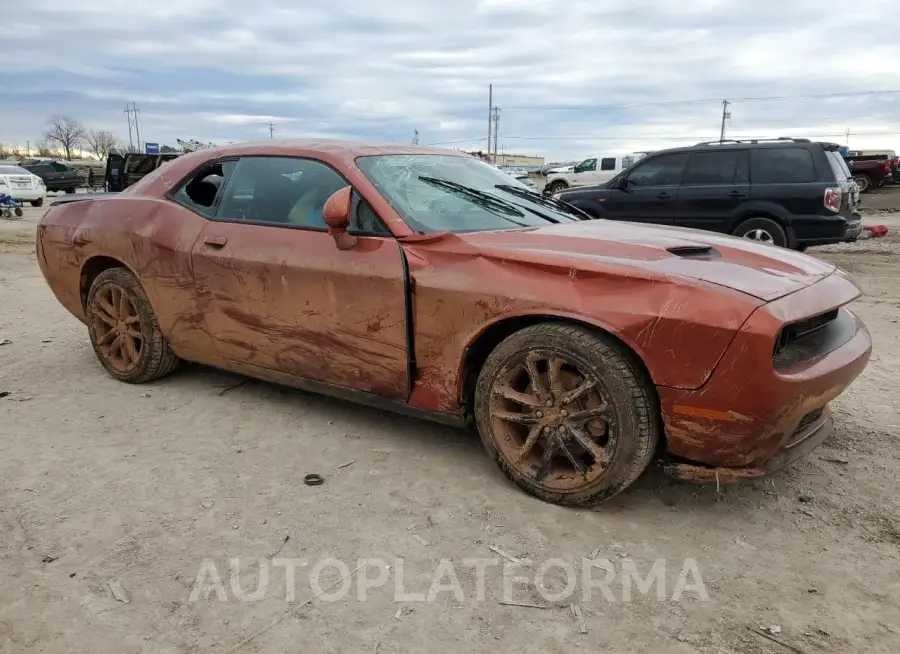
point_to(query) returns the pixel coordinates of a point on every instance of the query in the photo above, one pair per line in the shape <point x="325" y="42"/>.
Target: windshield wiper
<point x="481" y="198"/>
<point x="534" y="196"/>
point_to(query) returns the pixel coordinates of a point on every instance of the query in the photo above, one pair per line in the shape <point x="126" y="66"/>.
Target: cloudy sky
<point x="572" y="77"/>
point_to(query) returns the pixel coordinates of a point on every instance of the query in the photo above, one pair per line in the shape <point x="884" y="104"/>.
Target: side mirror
<point x="337" y="216"/>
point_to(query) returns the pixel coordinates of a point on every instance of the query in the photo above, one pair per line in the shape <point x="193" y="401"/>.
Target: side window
<point x="587" y="165"/>
<point x="609" y="163"/>
<point x="41" y="170"/>
<point x="198" y="193"/>
<point x="58" y="167"/>
<point x="364" y="220"/>
<point x="279" y="191"/>
<point x="140" y="164"/>
<point x="664" y="170"/>
<point x="781" y="166"/>
<point x="706" y="168"/>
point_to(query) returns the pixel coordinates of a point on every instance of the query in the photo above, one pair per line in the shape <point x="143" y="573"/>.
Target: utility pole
<point x="416" y="137"/>
<point x="490" y="115"/>
<point x="131" y="114"/>
<point x="848" y="139"/>
<point x="495" y="114"/>
<point x="726" y="115"/>
<point x="271" y="127"/>
<point x="27" y="148"/>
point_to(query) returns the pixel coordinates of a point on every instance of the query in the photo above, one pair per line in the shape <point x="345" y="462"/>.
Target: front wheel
<point x="37" y="203"/>
<point x="566" y="413"/>
<point x="124" y="331"/>
<point x="762" y="230"/>
<point x="556" y="187"/>
<point x="18" y="211"/>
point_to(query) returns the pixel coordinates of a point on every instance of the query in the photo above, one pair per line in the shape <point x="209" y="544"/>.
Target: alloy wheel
<point x="553" y="422"/>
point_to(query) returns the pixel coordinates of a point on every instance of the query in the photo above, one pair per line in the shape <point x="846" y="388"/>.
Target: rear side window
<point x="725" y="167"/>
<point x="608" y="164"/>
<point x="782" y="166"/>
<point x="838" y="165"/>
<point x="140" y="164"/>
<point x="200" y="191"/>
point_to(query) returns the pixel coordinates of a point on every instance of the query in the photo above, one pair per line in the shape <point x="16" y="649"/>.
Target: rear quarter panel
<point x="153" y="238"/>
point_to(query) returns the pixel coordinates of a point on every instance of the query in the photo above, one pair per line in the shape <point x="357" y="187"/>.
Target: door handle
<point x="737" y="194"/>
<point x="665" y="196"/>
<point x="215" y="241"/>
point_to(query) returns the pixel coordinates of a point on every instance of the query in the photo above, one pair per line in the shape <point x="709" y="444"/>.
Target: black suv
<point x="789" y="192"/>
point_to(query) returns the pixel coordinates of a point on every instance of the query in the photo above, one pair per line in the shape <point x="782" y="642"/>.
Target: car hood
<point x="765" y="272"/>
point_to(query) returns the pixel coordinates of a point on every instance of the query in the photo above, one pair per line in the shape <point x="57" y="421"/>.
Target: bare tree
<point x="66" y="132"/>
<point x="100" y="142"/>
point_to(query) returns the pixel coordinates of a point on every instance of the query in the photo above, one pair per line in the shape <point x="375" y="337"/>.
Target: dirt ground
<point x="113" y="490"/>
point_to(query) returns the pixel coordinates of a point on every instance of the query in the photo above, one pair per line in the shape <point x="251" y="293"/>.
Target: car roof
<point x="714" y="146"/>
<point x="347" y="151"/>
<point x="9" y="169"/>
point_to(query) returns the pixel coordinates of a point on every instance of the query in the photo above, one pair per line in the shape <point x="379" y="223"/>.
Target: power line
<point x="271" y="127"/>
<point x="664" y="103"/>
<point x="701" y="137"/>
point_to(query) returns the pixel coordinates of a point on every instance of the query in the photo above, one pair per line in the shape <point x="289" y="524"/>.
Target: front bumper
<point x="752" y="417"/>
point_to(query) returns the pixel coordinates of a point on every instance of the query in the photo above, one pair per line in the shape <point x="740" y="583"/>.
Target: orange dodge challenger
<point x="431" y="283"/>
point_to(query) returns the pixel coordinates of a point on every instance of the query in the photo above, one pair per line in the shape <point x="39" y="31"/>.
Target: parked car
<point x="546" y="169"/>
<point x="787" y="192"/>
<point x="869" y="171"/>
<point x="515" y="171"/>
<point x="57" y="176"/>
<point x="423" y="281"/>
<point x="591" y="171"/>
<point x="124" y="170"/>
<point x="22" y="185"/>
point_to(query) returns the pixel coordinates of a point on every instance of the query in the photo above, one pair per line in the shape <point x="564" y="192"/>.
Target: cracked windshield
<point x="437" y="193"/>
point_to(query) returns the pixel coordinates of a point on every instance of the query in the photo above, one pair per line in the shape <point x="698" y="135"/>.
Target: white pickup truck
<point x="590" y="172"/>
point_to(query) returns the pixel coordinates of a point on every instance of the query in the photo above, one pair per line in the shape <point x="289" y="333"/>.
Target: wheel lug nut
<point x="563" y="413"/>
<point x="540" y="414"/>
<point x="549" y="402"/>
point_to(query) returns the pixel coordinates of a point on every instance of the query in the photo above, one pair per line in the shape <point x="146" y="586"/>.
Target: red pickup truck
<point x="870" y="171"/>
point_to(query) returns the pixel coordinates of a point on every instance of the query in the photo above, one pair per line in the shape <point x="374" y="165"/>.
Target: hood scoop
<point x="694" y="252"/>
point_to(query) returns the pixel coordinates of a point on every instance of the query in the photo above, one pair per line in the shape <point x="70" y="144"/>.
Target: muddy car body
<point x="428" y="282"/>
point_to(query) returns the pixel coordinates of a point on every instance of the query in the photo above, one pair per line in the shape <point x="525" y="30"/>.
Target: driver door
<point x="584" y="173"/>
<point x="277" y="294"/>
<point x="649" y="191"/>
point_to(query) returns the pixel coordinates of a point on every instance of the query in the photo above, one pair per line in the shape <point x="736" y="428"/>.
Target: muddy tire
<point x="566" y="413"/>
<point x="762" y="230"/>
<point x="556" y="187"/>
<point x="124" y="331"/>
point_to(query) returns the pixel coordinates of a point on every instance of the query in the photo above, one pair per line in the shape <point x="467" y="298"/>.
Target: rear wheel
<point x="864" y="182"/>
<point x="762" y="230"/>
<point x="69" y="191"/>
<point x="124" y="331"/>
<point x="566" y="413"/>
<point x="37" y="203"/>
